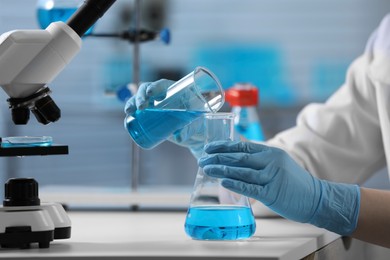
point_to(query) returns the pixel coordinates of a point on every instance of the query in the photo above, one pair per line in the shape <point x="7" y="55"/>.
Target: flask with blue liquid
<point x="244" y="100"/>
<point x="216" y="213"/>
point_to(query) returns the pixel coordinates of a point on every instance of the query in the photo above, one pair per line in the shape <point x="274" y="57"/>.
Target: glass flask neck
<point x="219" y="126"/>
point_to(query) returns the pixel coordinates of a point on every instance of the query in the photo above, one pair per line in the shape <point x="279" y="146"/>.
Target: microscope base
<point x="22" y="225"/>
<point x="22" y="236"/>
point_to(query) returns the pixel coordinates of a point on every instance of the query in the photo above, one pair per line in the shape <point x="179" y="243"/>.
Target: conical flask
<point x="216" y="213"/>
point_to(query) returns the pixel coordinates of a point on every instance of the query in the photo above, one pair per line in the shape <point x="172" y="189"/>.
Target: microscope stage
<point x="54" y="149"/>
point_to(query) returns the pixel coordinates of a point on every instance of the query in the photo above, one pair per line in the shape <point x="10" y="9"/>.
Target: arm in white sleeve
<point x="347" y="138"/>
<point x="341" y="139"/>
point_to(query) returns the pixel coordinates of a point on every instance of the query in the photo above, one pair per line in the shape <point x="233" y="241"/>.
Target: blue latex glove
<point x="191" y="136"/>
<point x="271" y="176"/>
<point x="146" y="95"/>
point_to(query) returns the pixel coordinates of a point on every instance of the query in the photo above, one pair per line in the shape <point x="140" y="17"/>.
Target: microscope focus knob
<point x="21" y="192"/>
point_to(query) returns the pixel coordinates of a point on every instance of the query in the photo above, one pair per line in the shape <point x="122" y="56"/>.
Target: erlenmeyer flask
<point x="214" y="212"/>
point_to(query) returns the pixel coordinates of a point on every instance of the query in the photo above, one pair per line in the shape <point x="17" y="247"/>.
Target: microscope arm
<point x="30" y="59"/>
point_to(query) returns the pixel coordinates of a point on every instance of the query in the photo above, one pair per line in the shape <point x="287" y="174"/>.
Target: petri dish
<point x="26" y="141"/>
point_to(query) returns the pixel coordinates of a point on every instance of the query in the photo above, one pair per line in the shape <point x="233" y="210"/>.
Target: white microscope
<point x="24" y="219"/>
<point x="30" y="59"/>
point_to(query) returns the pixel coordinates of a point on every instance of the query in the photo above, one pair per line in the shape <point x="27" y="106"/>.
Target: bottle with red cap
<point x="244" y="99"/>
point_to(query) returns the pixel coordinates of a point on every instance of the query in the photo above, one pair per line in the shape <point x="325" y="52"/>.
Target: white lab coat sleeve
<point x="340" y="140"/>
<point x="343" y="139"/>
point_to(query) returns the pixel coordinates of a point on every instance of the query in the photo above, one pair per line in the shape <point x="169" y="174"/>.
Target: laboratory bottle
<point x="216" y="213"/>
<point x="244" y="100"/>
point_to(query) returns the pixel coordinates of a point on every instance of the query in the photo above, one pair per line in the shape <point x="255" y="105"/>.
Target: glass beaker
<point x="186" y="100"/>
<point x="216" y="213"/>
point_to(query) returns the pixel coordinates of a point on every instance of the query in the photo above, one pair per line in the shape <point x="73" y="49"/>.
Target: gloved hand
<point x="271" y="176"/>
<point x="191" y="136"/>
<point x="147" y="93"/>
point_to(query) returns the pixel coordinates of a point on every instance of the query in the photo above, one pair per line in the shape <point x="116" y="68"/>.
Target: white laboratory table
<point x="160" y="235"/>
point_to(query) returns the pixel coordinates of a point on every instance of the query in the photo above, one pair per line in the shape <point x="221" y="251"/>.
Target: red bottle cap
<point x="242" y="95"/>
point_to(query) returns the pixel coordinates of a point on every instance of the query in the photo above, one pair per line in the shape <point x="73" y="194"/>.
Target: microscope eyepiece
<point x="88" y="14"/>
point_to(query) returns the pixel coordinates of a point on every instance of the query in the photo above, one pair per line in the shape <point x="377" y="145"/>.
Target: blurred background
<point x="295" y="52"/>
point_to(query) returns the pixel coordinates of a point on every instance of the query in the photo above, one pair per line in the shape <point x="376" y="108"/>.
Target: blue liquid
<point x="26" y="141"/>
<point x="251" y="131"/>
<point x="47" y="16"/>
<point x="220" y="223"/>
<point x="151" y="127"/>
